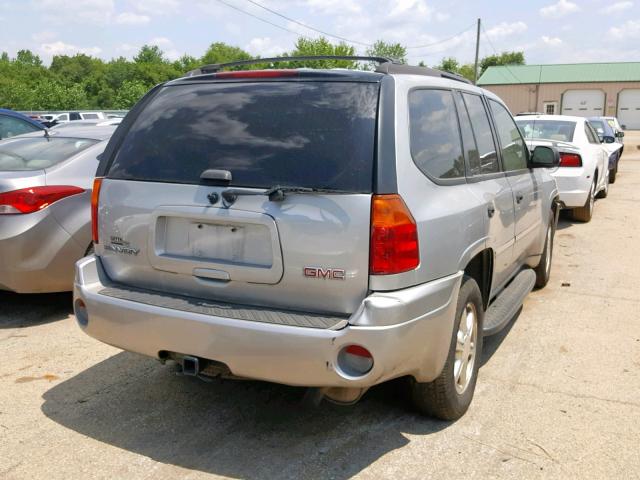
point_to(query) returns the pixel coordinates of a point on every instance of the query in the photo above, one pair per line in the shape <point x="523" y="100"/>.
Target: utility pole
<point x="475" y="71"/>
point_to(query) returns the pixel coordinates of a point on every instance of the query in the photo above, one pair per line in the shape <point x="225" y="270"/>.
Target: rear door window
<point x="469" y="143"/>
<point x="309" y="134"/>
<point x="435" y="138"/>
<point x="11" y="126"/>
<point x="483" y="135"/>
<point x="512" y="146"/>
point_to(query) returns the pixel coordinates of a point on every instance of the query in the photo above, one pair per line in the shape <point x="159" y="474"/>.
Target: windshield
<point x="560" y="130"/>
<point x="308" y="134"/>
<point x="37" y="153"/>
<point x="599" y="126"/>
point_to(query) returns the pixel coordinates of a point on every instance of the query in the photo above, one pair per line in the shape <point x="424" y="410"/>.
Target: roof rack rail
<point x="216" y="67"/>
<point x="400" y="68"/>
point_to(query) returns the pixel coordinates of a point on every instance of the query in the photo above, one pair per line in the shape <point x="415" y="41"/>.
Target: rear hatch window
<point x="308" y="134"/>
<point x="38" y="153"/>
<point x="560" y="130"/>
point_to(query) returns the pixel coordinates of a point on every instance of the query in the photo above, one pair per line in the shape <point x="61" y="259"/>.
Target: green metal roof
<point x="563" y="73"/>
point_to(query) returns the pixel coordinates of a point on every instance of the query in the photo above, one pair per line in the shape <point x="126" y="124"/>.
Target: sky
<point x="548" y="31"/>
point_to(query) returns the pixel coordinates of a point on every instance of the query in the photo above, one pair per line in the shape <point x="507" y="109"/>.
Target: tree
<point x="321" y="46"/>
<point x="129" y="94"/>
<point x="149" y="54"/>
<point x="222" y="53"/>
<point x="390" y="50"/>
<point x="505" y="58"/>
<point x="27" y="57"/>
<point x="449" y="64"/>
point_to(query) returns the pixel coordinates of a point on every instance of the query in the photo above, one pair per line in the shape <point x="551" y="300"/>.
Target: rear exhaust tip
<point x="190" y="366"/>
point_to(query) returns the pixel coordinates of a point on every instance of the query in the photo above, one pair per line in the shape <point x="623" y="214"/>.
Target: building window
<point x="550" y="108"/>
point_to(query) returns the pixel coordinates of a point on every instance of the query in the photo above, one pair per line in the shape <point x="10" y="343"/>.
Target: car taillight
<point x="29" y="200"/>
<point x="394" y="237"/>
<point x="95" y="196"/>
<point x="570" y="160"/>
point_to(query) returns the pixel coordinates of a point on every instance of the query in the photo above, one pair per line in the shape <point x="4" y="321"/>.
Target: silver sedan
<point x="45" y="206"/>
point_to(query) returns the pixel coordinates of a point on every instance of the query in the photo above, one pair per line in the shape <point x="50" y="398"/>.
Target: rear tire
<point x="605" y="192"/>
<point x="612" y="174"/>
<point x="543" y="270"/>
<point x="584" y="214"/>
<point x="448" y="397"/>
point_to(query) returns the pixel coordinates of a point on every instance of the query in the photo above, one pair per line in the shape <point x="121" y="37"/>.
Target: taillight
<point x="29" y="200"/>
<point x="394" y="237"/>
<point x="95" y="196"/>
<point x="570" y="160"/>
<point x="257" y="74"/>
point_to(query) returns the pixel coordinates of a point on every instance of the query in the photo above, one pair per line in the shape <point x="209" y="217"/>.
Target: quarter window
<point x="435" y="138"/>
<point x="488" y="157"/>
<point x="514" y="155"/>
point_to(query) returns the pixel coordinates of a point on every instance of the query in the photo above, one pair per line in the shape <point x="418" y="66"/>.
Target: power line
<point x="444" y="39"/>
<point x="486" y="36"/>
<point x="260" y="18"/>
<point x="309" y="26"/>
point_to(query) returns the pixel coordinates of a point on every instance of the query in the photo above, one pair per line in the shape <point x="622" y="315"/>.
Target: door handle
<point x="491" y="210"/>
<point x="519" y="197"/>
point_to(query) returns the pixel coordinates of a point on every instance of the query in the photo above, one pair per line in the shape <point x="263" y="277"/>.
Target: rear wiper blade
<point x="277" y="193"/>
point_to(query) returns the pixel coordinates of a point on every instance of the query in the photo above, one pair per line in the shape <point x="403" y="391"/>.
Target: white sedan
<point x="583" y="173"/>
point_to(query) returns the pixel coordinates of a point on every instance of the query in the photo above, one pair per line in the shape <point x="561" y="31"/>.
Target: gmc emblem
<point x="326" y="273"/>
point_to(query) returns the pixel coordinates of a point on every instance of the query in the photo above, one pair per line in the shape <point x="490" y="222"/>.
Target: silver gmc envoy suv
<point x="331" y="229"/>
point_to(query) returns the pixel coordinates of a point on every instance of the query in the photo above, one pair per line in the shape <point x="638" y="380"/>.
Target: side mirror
<point x="620" y="134"/>
<point x="544" y="157"/>
<point x="609" y="139"/>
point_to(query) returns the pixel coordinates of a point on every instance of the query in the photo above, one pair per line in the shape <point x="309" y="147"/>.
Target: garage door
<point x="583" y="103"/>
<point x="629" y="109"/>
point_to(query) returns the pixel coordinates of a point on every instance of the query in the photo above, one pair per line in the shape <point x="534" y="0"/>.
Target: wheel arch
<point x="480" y="268"/>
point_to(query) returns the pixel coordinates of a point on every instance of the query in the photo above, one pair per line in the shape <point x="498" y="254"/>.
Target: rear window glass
<point x="310" y="134"/>
<point x="560" y="130"/>
<point x="37" y="153"/>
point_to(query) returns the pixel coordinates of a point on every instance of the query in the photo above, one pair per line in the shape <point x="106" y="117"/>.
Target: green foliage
<point x="150" y="54"/>
<point x="129" y="93"/>
<point x="451" y="64"/>
<point x="320" y="46"/>
<point x="81" y="81"/>
<point x="390" y="50"/>
<point x="505" y="58"/>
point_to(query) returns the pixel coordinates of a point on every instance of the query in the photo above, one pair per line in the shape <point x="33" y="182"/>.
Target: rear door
<point x="524" y="184"/>
<point x="488" y="183"/>
<point x="163" y="228"/>
<point x="599" y="153"/>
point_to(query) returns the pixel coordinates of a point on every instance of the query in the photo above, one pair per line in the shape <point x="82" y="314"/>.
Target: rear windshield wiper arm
<point x="275" y="194"/>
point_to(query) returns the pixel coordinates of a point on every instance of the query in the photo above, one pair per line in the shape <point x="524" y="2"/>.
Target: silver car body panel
<point x="291" y="355"/>
<point x="405" y="320"/>
<point x="38" y="250"/>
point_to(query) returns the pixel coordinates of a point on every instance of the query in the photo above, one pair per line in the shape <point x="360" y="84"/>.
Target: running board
<point x="505" y="306"/>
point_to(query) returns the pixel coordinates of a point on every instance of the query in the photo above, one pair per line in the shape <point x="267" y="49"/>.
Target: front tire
<point x="448" y="397"/>
<point x="543" y="270"/>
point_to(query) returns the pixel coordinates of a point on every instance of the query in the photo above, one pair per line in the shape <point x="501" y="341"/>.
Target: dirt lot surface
<point x="558" y="394"/>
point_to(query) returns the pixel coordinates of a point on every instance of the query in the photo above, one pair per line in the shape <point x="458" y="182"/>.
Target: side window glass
<point x="591" y="136"/>
<point x="482" y="134"/>
<point x="435" y="137"/>
<point x="469" y="143"/>
<point x="514" y="155"/>
<point x="10" y="127"/>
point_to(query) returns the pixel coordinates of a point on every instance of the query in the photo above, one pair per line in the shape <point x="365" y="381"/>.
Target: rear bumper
<point x="573" y="186"/>
<point x="36" y="254"/>
<point x="417" y="344"/>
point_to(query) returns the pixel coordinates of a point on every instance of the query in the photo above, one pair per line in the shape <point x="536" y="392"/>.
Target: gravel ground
<point x="557" y="395"/>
